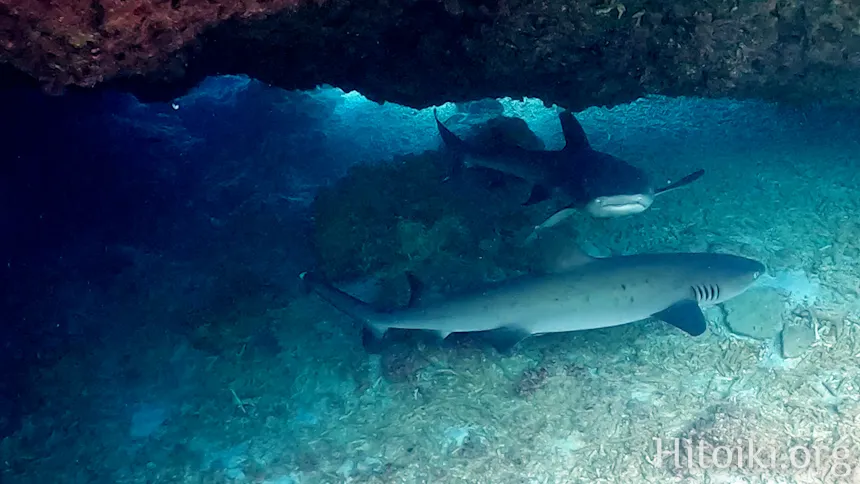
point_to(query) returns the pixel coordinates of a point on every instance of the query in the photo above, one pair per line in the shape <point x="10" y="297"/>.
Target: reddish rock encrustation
<point x="85" y="42"/>
<point x="574" y="53"/>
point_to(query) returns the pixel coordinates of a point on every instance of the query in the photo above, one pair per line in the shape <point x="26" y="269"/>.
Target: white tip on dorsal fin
<point x="556" y="252"/>
<point x="571" y="257"/>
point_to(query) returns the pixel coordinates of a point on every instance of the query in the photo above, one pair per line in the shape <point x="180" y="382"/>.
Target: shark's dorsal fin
<point x="416" y="289"/>
<point x="556" y="253"/>
<point x="574" y="136"/>
<point x="568" y="258"/>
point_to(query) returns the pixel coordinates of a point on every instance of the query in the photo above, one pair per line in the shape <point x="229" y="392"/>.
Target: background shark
<point x="601" y="184"/>
<point x="577" y="293"/>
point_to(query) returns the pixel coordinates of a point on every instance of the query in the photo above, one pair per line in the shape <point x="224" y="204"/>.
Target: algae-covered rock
<point x="574" y="54"/>
<point x="417" y="214"/>
<point x="411" y="213"/>
<point x="758" y="313"/>
<point x="361" y="221"/>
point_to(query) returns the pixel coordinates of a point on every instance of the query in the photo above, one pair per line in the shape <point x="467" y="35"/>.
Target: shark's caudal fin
<point x="457" y="148"/>
<point x="682" y="182"/>
<point x="373" y="328"/>
<point x="343" y="302"/>
<point x="574" y="136"/>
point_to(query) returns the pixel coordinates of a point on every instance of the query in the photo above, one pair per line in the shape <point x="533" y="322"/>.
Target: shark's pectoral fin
<point x="685" y="315"/>
<point x="504" y="339"/>
<point x="556" y="218"/>
<point x="682" y="182"/>
<point x="539" y="194"/>
<point x="552" y="221"/>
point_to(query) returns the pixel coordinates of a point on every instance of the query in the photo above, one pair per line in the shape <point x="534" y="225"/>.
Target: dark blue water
<point x="154" y="328"/>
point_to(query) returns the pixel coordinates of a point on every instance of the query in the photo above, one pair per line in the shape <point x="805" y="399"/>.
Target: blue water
<point x="155" y="329"/>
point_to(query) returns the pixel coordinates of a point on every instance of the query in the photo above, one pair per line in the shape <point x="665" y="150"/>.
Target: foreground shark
<point x="601" y="184"/>
<point x="580" y="293"/>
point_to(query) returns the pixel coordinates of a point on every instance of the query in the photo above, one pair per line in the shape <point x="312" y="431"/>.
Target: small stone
<point x="346" y="469"/>
<point x="758" y="313"/>
<point x="235" y="474"/>
<point x="796" y="339"/>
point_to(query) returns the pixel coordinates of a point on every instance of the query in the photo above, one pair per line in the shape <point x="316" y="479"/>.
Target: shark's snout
<point x="619" y="205"/>
<point x="727" y="276"/>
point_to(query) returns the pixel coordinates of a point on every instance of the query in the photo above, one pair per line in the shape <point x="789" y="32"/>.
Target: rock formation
<point x="575" y="53"/>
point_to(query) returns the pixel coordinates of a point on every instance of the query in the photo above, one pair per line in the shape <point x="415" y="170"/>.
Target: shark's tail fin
<point x="457" y="148"/>
<point x="682" y="182"/>
<point x="353" y="307"/>
<point x="451" y="140"/>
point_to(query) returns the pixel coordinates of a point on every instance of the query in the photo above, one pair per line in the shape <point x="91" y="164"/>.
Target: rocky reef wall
<point x="424" y="52"/>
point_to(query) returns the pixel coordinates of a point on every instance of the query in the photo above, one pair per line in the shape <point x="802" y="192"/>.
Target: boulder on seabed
<point x="758" y="313"/>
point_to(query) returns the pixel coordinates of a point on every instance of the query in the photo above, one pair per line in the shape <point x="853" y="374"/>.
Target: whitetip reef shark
<point x="601" y="184"/>
<point x="576" y="293"/>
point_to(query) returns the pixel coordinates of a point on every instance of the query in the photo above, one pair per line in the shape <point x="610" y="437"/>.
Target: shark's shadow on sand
<point x="600" y="184"/>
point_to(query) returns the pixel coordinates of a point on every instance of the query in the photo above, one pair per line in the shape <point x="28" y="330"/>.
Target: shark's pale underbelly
<point x="545" y="314"/>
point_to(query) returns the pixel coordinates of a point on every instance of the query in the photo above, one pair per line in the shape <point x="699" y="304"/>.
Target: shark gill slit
<point x="705" y="292"/>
